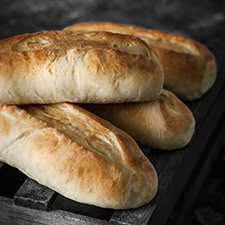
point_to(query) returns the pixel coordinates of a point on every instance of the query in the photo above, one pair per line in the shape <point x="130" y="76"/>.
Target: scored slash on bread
<point x="61" y="66"/>
<point x="164" y="123"/>
<point x="189" y="67"/>
<point x="77" y="154"/>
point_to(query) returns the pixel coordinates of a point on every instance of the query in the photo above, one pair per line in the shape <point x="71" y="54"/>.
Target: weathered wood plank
<point x="33" y="195"/>
<point x="11" y="214"/>
<point x="139" y="216"/>
<point x="63" y="203"/>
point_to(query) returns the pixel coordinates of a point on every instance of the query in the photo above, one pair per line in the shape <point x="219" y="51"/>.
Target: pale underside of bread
<point x="165" y="123"/>
<point x="189" y="67"/>
<point x="61" y="66"/>
<point x="77" y="154"/>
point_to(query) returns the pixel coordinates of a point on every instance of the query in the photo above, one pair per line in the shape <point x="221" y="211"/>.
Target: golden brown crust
<point x="165" y="123"/>
<point x="189" y="67"/>
<point x="59" y="66"/>
<point x="76" y="154"/>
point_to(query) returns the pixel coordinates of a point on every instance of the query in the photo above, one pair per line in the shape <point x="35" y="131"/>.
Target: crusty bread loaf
<point x="77" y="154"/>
<point x="165" y="123"/>
<point x="189" y="67"/>
<point x="59" y="66"/>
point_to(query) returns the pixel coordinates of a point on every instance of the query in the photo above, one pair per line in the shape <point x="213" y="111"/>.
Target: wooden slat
<point x="139" y="216"/>
<point x="33" y="195"/>
<point x="11" y="214"/>
<point x="69" y="205"/>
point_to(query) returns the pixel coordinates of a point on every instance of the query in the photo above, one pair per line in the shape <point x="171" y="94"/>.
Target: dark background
<point x="200" y="20"/>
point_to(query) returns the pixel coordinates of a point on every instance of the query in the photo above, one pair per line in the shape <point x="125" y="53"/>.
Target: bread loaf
<point x="77" y="154"/>
<point x="165" y="123"/>
<point x="189" y="67"/>
<point x="61" y="66"/>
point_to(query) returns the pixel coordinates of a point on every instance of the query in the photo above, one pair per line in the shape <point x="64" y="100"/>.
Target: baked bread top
<point x="77" y="154"/>
<point x="164" y="123"/>
<point x="59" y="66"/>
<point x="189" y="67"/>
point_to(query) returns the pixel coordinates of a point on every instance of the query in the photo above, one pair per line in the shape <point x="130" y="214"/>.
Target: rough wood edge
<point x="11" y="214"/>
<point x="33" y="195"/>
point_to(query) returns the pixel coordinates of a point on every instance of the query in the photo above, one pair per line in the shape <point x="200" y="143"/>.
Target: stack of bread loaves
<point x="71" y="150"/>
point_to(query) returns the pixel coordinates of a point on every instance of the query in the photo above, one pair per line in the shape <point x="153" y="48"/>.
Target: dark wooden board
<point x="11" y="214"/>
<point x="33" y="195"/>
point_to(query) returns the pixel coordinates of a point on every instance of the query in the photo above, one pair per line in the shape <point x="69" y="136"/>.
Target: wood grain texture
<point x="33" y="195"/>
<point x="10" y="214"/>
